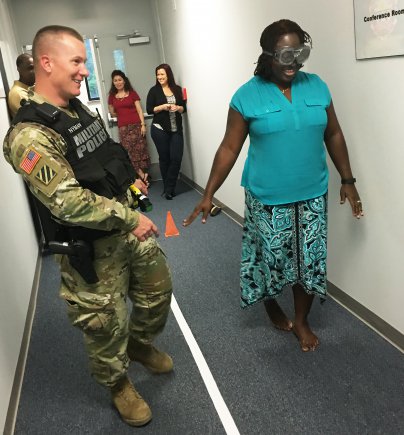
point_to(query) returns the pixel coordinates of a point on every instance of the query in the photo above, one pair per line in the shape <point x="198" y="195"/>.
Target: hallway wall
<point x="19" y="248"/>
<point x="212" y="47"/>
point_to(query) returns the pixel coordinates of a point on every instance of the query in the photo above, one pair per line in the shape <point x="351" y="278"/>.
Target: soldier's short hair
<point x="53" y="30"/>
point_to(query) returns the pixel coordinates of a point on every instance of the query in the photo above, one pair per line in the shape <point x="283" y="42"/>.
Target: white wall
<point x="212" y="47"/>
<point x="18" y="248"/>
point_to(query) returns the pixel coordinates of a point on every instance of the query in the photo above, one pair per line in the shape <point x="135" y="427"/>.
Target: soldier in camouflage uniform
<point x="127" y="259"/>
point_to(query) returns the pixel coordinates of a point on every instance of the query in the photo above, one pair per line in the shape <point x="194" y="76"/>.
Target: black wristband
<point x="348" y="180"/>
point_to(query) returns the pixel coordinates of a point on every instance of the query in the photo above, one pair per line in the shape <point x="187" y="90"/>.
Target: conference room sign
<point x="379" y="28"/>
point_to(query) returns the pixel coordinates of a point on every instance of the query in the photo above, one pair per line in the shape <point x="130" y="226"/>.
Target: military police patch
<point x="45" y="174"/>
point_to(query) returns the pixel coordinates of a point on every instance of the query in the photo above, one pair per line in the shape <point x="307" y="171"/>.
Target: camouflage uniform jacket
<point x="38" y="154"/>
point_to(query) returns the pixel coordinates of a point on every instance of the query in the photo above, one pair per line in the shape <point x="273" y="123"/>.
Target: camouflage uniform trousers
<point x="125" y="267"/>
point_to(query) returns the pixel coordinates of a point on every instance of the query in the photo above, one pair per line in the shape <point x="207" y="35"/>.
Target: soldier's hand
<point x="142" y="186"/>
<point x="145" y="229"/>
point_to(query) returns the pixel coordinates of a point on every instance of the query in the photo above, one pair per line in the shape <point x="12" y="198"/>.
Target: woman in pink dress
<point x="124" y="104"/>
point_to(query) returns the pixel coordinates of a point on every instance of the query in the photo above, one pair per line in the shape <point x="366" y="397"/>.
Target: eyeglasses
<point x="288" y="55"/>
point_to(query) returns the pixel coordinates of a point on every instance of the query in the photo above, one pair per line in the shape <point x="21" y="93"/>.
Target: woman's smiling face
<point x="162" y="76"/>
<point x="118" y="82"/>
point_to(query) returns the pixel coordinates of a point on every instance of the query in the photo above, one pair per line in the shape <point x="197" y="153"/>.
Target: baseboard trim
<point x="391" y="334"/>
<point x="154" y="171"/>
<point x="11" y="416"/>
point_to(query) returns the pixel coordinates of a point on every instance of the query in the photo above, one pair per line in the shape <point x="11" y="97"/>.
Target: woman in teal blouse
<point x="288" y="115"/>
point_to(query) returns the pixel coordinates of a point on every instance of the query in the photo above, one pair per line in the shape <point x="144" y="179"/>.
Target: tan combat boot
<point x="130" y="404"/>
<point x="152" y="358"/>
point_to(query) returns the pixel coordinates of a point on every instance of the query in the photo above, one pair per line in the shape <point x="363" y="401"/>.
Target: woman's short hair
<point x="269" y="39"/>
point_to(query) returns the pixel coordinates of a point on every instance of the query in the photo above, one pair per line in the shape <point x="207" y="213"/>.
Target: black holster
<point x="81" y="256"/>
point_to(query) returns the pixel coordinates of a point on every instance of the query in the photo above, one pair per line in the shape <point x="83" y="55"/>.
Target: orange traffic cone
<point x="171" y="229"/>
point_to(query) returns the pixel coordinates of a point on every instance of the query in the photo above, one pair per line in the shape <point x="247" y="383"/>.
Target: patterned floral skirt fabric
<point x="135" y="144"/>
<point x="283" y="245"/>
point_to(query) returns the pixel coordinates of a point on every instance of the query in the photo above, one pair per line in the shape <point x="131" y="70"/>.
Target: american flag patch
<point x="30" y="160"/>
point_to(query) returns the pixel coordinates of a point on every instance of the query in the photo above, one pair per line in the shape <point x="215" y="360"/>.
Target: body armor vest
<point x="99" y="164"/>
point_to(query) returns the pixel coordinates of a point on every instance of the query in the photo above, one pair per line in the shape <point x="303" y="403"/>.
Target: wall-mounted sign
<point x="379" y="28"/>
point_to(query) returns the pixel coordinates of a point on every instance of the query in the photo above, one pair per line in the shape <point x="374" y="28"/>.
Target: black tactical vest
<point x="99" y="164"/>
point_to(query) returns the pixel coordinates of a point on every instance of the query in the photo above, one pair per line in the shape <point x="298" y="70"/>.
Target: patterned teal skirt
<point x="283" y="245"/>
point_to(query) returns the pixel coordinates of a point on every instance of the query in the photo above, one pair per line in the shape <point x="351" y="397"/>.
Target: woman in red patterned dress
<point x="124" y="104"/>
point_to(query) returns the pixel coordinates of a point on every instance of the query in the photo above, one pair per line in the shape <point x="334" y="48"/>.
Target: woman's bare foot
<point x="277" y="316"/>
<point x="308" y="340"/>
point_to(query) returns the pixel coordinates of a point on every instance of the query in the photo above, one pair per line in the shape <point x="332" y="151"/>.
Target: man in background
<point x="19" y="91"/>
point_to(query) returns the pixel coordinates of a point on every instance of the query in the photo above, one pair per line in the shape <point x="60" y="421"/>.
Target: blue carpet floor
<point x="353" y="383"/>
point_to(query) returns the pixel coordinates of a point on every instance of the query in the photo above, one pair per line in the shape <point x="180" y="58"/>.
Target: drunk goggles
<point x="288" y="55"/>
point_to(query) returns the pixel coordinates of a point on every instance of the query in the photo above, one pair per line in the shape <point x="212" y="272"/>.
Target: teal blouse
<point x="286" y="159"/>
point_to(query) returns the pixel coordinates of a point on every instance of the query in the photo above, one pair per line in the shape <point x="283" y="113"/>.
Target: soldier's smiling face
<point x="67" y="66"/>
